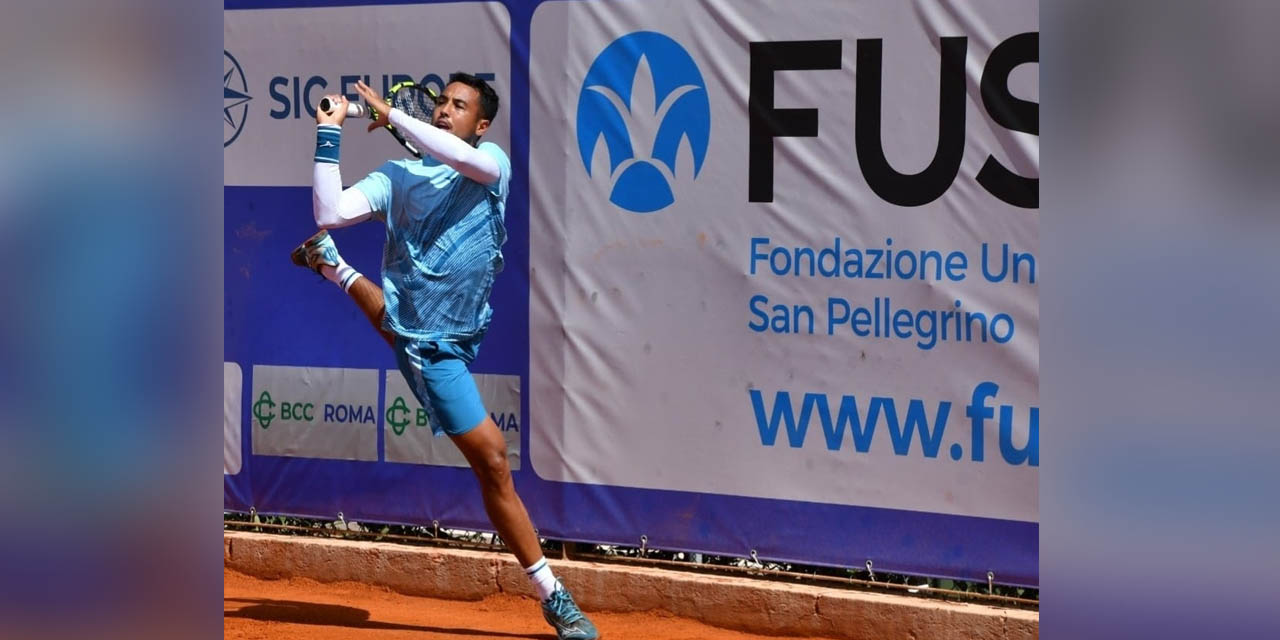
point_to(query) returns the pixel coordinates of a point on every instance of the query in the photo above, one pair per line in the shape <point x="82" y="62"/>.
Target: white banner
<point x="315" y="412"/>
<point x="232" y="396"/>
<point x="788" y="253"/>
<point x="278" y="63"/>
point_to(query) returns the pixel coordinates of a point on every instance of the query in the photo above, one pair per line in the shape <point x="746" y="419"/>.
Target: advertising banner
<point x="771" y="279"/>
<point x="792" y="258"/>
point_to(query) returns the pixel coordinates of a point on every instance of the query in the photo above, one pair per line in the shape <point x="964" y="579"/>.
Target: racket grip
<point x="354" y="110"/>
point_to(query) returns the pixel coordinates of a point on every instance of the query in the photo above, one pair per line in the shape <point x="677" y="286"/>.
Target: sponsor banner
<point x="315" y="412"/>
<point x="232" y="392"/>
<point x="800" y="244"/>
<point x="778" y="266"/>
<point x="278" y="63"/>
<point x="408" y="427"/>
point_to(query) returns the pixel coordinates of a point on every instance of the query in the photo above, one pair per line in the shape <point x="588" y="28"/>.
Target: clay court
<point x="304" y="608"/>
<point x="278" y="586"/>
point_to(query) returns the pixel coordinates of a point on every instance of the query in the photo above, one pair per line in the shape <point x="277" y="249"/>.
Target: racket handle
<point x="354" y="110"/>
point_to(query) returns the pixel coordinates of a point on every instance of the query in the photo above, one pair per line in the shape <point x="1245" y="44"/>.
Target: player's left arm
<point x="448" y="148"/>
<point x="443" y="146"/>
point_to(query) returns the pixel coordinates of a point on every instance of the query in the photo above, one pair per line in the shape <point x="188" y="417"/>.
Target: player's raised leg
<point x="320" y="254"/>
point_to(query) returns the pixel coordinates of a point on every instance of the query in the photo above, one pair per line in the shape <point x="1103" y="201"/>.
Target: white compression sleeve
<point x="332" y="206"/>
<point x="447" y="148"/>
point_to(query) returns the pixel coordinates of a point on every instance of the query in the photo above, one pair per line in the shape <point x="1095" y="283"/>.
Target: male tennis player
<point x="444" y="224"/>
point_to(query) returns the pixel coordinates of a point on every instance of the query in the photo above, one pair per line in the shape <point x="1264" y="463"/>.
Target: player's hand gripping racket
<point x="414" y="99"/>
<point x="354" y="110"/>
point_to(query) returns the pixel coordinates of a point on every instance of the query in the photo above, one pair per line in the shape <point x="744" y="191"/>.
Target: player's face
<point x="458" y="112"/>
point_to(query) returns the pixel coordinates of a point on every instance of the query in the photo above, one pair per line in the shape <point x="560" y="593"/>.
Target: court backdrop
<point x="771" y="277"/>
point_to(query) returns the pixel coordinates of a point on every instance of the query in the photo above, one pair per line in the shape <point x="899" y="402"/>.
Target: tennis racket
<point x="414" y="99"/>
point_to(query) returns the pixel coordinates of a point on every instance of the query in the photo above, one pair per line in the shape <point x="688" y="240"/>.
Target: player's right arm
<point x="333" y="206"/>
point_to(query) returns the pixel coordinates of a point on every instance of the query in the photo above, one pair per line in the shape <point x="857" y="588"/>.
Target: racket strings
<point x="414" y="102"/>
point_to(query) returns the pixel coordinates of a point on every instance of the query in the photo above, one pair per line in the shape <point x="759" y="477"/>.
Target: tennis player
<point x="444" y="226"/>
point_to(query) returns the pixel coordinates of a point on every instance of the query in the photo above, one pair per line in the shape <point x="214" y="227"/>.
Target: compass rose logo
<point x="235" y="99"/>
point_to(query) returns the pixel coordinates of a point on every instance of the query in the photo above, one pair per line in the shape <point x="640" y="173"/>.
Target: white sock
<point x="343" y="275"/>
<point x="542" y="578"/>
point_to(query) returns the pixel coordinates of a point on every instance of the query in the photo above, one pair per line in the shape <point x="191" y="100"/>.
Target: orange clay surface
<point x="304" y="608"/>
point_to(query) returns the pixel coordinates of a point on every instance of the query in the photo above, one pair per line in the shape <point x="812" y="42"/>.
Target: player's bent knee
<point x="495" y="463"/>
<point x="493" y="469"/>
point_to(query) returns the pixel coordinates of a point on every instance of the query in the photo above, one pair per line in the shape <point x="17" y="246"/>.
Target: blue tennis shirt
<point x="444" y="245"/>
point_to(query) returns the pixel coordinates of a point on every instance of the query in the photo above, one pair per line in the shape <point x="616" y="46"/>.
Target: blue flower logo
<point x="643" y="108"/>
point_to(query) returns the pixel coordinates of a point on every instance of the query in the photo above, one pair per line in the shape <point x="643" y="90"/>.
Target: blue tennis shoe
<point x="563" y="613"/>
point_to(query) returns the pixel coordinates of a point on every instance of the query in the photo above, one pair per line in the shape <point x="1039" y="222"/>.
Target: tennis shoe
<point x="317" y="251"/>
<point x="562" y="613"/>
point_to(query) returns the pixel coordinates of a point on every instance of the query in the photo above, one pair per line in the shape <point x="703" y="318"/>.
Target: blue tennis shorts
<point x="437" y="373"/>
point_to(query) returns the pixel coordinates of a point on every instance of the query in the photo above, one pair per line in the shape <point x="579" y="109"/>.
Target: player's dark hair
<point x="488" y="97"/>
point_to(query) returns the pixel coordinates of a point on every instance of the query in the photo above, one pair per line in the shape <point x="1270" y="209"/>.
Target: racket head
<point x="415" y="100"/>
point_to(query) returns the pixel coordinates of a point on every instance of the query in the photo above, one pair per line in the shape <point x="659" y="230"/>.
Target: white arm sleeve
<point x="334" y="207"/>
<point x="447" y="148"/>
